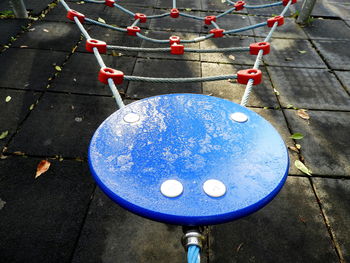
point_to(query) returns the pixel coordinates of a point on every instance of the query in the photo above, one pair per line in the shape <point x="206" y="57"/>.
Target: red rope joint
<point x="256" y="47"/>
<point x="174" y="40"/>
<point x="176" y="49"/>
<point x="109" y="3"/>
<point x="132" y="30"/>
<point x="243" y="76"/>
<point x="209" y="19"/>
<point x="285" y="2"/>
<point x="100" y="45"/>
<point x="271" y="21"/>
<point x="174" y="13"/>
<point x="110" y="73"/>
<point x="140" y="16"/>
<point x="72" y="13"/>
<point x="218" y="32"/>
<point x="239" y="5"/>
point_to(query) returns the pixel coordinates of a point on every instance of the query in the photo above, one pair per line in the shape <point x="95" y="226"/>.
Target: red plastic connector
<point x="243" y="76"/>
<point x="174" y="40"/>
<point x="100" y="45"/>
<point x="271" y="21"/>
<point x="109" y="3"/>
<point x="110" y="73"/>
<point x="209" y="19"/>
<point x="218" y="32"/>
<point x="132" y="30"/>
<point x="72" y="13"/>
<point x="239" y="5"/>
<point x="176" y="49"/>
<point x="256" y="47"/>
<point x="174" y="13"/>
<point x="140" y="16"/>
<point x="285" y="2"/>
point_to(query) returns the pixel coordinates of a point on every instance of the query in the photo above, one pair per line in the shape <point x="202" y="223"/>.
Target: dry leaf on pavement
<point x="303" y="114"/>
<point x="42" y="167"/>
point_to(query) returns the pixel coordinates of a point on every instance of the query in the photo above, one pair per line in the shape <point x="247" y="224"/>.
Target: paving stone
<point x="112" y="234"/>
<point x="336" y="53"/>
<point x="40" y="219"/>
<point x="10" y="28"/>
<point x="167" y="55"/>
<point x="309" y="88"/>
<point x="17" y="108"/>
<point x="290" y="29"/>
<point x="269" y="11"/>
<point x="218" y="6"/>
<point x="240" y="57"/>
<point x="147" y="3"/>
<point x="36" y="7"/>
<point x="344" y="77"/>
<point x="181" y="4"/>
<point x="62" y="124"/>
<point x="291" y="53"/>
<point x="289" y="229"/>
<point x="335" y="199"/>
<point x="76" y="78"/>
<point x="29" y="68"/>
<point x="326" y="145"/>
<point x="51" y="36"/>
<point x="164" y="69"/>
<point x="235" y="21"/>
<point x="261" y="96"/>
<point x="328" y="29"/>
<point x="332" y="8"/>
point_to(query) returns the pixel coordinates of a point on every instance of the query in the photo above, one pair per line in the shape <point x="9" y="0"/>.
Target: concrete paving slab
<point x="243" y="58"/>
<point x="146" y="3"/>
<point x="309" y="89"/>
<point x="261" y="96"/>
<point x="112" y="234"/>
<point x="41" y="218"/>
<point x="75" y="118"/>
<point x="293" y="53"/>
<point x="164" y="69"/>
<point x="181" y="4"/>
<point x="36" y="7"/>
<point x="29" y="68"/>
<point x="289" y="229"/>
<point x="10" y="28"/>
<point x="326" y="145"/>
<point x="269" y="11"/>
<point x="165" y="36"/>
<point x="335" y="199"/>
<point x="290" y="29"/>
<point x="234" y="21"/>
<point x="76" y="78"/>
<point x="218" y="6"/>
<point x="328" y="29"/>
<point x="335" y="53"/>
<point x="17" y="107"/>
<point x="344" y="77"/>
<point x="50" y="35"/>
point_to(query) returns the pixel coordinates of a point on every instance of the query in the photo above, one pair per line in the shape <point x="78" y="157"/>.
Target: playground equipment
<point x="186" y="159"/>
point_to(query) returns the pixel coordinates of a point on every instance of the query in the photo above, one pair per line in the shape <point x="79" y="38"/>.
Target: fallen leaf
<point x="116" y="54"/>
<point x="101" y="20"/>
<point x="276" y="92"/>
<point x="19" y="153"/>
<point x="232" y="57"/>
<point x="58" y="68"/>
<point x="298" y="164"/>
<point x="288" y="59"/>
<point x="8" y="98"/>
<point x="3" y="135"/>
<point x="239" y="247"/>
<point x="302" y="51"/>
<point x="289" y="106"/>
<point x="298" y="146"/>
<point x="42" y="167"/>
<point x="188" y="9"/>
<point x="31" y="107"/>
<point x="46" y="30"/>
<point x="297" y="136"/>
<point x="23" y="46"/>
<point x="294" y="149"/>
<point x="303" y="114"/>
<point x="31" y="29"/>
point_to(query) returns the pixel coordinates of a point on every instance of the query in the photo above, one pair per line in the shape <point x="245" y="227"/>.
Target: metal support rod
<point x="305" y="11"/>
<point x="19" y="8"/>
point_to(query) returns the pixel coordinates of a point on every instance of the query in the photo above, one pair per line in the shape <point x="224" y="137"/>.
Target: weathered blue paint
<point x="190" y="138"/>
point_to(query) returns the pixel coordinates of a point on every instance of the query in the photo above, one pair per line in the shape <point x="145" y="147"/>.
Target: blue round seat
<point x="192" y="140"/>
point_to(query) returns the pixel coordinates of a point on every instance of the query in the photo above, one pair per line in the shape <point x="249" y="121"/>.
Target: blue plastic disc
<point x="188" y="159"/>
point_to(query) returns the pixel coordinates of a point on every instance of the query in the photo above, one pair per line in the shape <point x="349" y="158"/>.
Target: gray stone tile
<point x="218" y="6"/>
<point x="335" y="199"/>
<point x="41" y="218"/>
<point x="309" y="88"/>
<point x="14" y="111"/>
<point x="344" y="77"/>
<point x="62" y="124"/>
<point x="36" y="7"/>
<point x="112" y="234"/>
<point x="234" y="21"/>
<point x="326" y="145"/>
<point x="77" y="79"/>
<point x="290" y="29"/>
<point x="269" y="11"/>
<point x="51" y="36"/>
<point x="146" y="3"/>
<point x="181" y="4"/>
<point x="333" y="8"/>
<point x="291" y="53"/>
<point x="289" y="229"/>
<point x="29" y="68"/>
<point x="164" y="69"/>
<point x="240" y="57"/>
<point x="261" y="96"/>
<point x="335" y="53"/>
<point x="328" y="29"/>
<point x="164" y="36"/>
<point x="10" y="28"/>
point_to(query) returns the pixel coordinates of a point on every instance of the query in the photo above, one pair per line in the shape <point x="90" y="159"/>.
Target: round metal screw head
<point x="214" y="188"/>
<point x="239" y="117"/>
<point x="171" y="188"/>
<point x="131" y="117"/>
